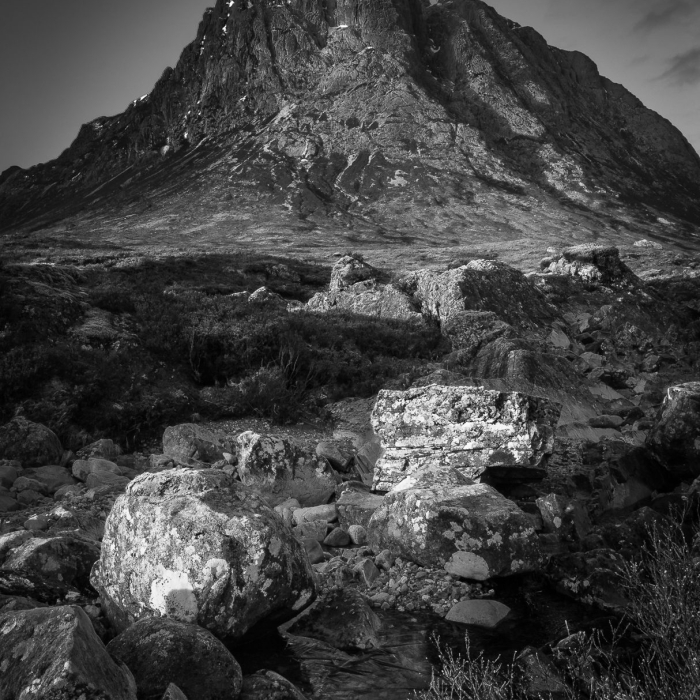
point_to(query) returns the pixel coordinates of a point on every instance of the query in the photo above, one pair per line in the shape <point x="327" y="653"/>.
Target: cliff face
<point x="401" y="112"/>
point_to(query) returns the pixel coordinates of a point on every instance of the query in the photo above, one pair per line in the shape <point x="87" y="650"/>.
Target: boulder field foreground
<point x="553" y="422"/>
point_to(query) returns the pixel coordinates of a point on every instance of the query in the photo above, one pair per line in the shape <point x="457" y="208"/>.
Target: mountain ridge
<point x="396" y="115"/>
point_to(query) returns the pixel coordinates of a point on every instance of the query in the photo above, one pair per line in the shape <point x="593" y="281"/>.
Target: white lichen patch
<point x="172" y="595"/>
<point x="468" y="565"/>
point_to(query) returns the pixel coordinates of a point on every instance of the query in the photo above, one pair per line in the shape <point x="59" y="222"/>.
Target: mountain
<point x="384" y="122"/>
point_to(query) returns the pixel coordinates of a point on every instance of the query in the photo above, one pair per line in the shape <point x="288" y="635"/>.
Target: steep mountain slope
<point x="434" y="122"/>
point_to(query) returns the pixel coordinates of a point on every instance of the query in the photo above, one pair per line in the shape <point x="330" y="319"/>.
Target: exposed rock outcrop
<point x="200" y="547"/>
<point x="467" y="427"/>
<point x="594" y="263"/>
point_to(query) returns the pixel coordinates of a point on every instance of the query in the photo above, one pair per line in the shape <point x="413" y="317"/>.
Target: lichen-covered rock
<point x="470" y="330"/>
<point x="265" y="297"/>
<point x="378" y="301"/>
<point x="63" y="562"/>
<point x="159" y="651"/>
<point x="461" y="426"/>
<point x="356" y="508"/>
<point x="675" y="437"/>
<point x="343" y="619"/>
<point x="199" y="547"/>
<point x="279" y="469"/>
<point x="189" y="443"/>
<point x="350" y="270"/>
<point x="102" y="449"/>
<point x="481" y="285"/>
<point x="55" y="654"/>
<point x="594" y="263"/>
<point x="32" y="444"/>
<point x="471" y="530"/>
<point x="268" y="685"/>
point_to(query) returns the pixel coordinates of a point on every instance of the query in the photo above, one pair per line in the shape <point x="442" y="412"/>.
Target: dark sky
<point x="65" y="62"/>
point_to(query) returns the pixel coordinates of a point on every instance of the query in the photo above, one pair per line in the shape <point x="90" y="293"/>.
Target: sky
<point x="65" y="63"/>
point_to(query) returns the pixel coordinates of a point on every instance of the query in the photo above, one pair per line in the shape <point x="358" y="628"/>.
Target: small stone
<point x="358" y="534"/>
<point x="368" y="571"/>
<point x="313" y="550"/>
<point x="37" y="523"/>
<point x="337" y="538"/>
<point x="326" y="513"/>
<point x="384" y="560"/>
<point x="481" y="613"/>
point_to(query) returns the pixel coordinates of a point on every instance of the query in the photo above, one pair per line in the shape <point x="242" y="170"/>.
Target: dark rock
<point x="675" y="437"/>
<point x="55" y="653"/>
<point x="337" y="538"/>
<point x="102" y="449"/>
<point x="32" y="444"/>
<point x="198" y="546"/>
<point x="190" y="443"/>
<point x="538" y="676"/>
<point x="268" y="685"/>
<point x="343" y="619"/>
<point x="161" y="651"/>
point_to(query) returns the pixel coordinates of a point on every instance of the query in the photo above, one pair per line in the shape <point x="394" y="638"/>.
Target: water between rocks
<point x="404" y="662"/>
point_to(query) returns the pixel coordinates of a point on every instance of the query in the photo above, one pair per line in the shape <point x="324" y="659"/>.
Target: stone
<point x="66" y="492"/>
<point x="337" y="538"/>
<point x="286" y="510"/>
<point x="539" y="677"/>
<point x="198" y="546"/>
<point x="644" y="243"/>
<point x="330" y="450"/>
<point x="356" y="508"/>
<point x="12" y="540"/>
<point x="98" y="480"/>
<point x="348" y="271"/>
<point x="8" y="475"/>
<point x="368" y="299"/>
<point x="55" y="653"/>
<point x="62" y="562"/>
<point x="37" y="523"/>
<point x="367" y="571"/>
<point x="313" y="550"/>
<point x="174" y="693"/>
<point x="594" y="263"/>
<point x="471" y="530"/>
<point x="563" y="516"/>
<point x="189" y="443"/>
<point x="265" y="297"/>
<point x="675" y="435"/>
<point x="8" y="504"/>
<point x="462" y="426"/>
<point x="481" y="285"/>
<point x="327" y="513"/>
<point x="51" y="477"/>
<point x="480" y="613"/>
<point x="32" y="444"/>
<point x="29" y="497"/>
<point x="341" y="618"/>
<point x="25" y="483"/>
<point x="279" y="469"/>
<point x="592" y="359"/>
<point x="468" y="331"/>
<point x="313" y="529"/>
<point x="159" y="651"/>
<point x="268" y="685"/>
<point x="102" y="449"/>
<point x="559" y="339"/>
<point x="81" y="468"/>
<point x="357" y="534"/>
<point x="606" y="421"/>
<point x="384" y="560"/>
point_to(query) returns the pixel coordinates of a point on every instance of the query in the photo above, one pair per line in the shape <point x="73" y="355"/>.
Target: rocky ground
<point x="552" y="423"/>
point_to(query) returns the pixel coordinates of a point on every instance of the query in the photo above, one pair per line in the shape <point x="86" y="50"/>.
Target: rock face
<point x="410" y="115"/>
<point x="481" y="285"/>
<point x="471" y="529"/>
<point x="461" y="426"/>
<point x="32" y="444"/>
<point x="675" y="437"/>
<point x="199" y="547"/>
<point x="160" y="651"/>
<point x="55" y="653"/>
<point x="279" y="469"/>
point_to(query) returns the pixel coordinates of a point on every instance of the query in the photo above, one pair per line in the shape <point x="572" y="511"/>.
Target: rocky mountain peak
<point x="421" y="117"/>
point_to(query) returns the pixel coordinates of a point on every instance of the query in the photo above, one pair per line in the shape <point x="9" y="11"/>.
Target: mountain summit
<point x="434" y="120"/>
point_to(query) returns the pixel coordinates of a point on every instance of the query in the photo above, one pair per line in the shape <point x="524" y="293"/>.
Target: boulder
<point x="174" y="693"/>
<point x="199" y="547"/>
<point x="159" y="651"/>
<point x="480" y="613"/>
<point x="190" y="443"/>
<point x="327" y="513"/>
<point x="675" y="436"/>
<point x="63" y="562"/>
<point x="357" y="534"/>
<point x="268" y="685"/>
<point x="8" y="504"/>
<point x="357" y="507"/>
<point x="98" y="480"/>
<point x="378" y="301"/>
<point x="348" y="271"/>
<point x="55" y="653"/>
<point x="9" y="473"/>
<point x="102" y="449"/>
<point x="12" y="540"/>
<point x="594" y="263"/>
<point x="481" y="285"/>
<point x="471" y="530"/>
<point x="279" y="469"/>
<point x="337" y="538"/>
<point x="82" y="468"/>
<point x="467" y="427"/>
<point x="265" y="297"/>
<point x="341" y="618"/>
<point x="470" y="330"/>
<point x="32" y="444"/>
<point x="51" y="477"/>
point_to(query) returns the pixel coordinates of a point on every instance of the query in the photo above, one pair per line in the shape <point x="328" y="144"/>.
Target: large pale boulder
<point x="32" y="444"/>
<point x="348" y="271"/>
<point x="160" y="651"/>
<point x="594" y="263"/>
<point x="461" y="426"/>
<point x="481" y="285"/>
<point x="279" y="469"/>
<point x="470" y="529"/>
<point x="199" y="547"/>
<point x="675" y="437"/>
<point x="54" y="653"/>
